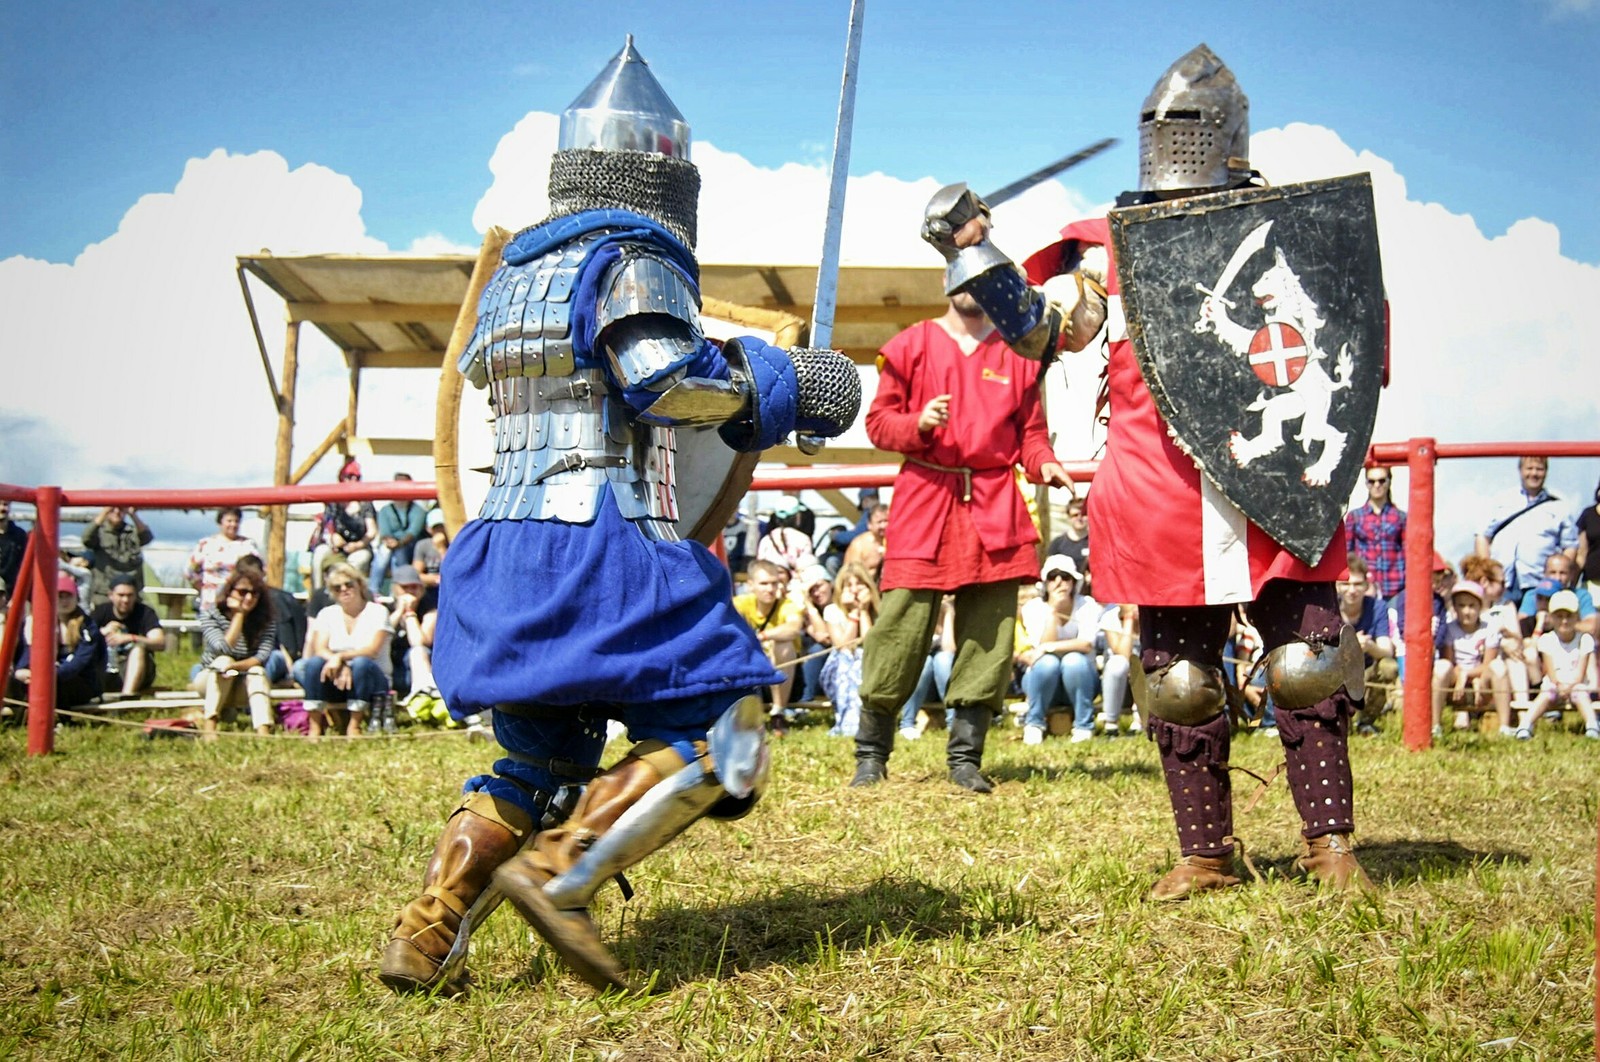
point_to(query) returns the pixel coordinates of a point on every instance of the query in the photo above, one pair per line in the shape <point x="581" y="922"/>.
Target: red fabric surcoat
<point x="1162" y="534"/>
<point x="935" y="540"/>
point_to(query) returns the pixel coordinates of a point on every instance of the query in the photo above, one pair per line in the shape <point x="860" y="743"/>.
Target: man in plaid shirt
<point x="1377" y="531"/>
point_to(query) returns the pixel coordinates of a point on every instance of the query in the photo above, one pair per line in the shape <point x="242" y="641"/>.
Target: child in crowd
<point x="1567" y="655"/>
<point x="1463" y="674"/>
<point x="850" y="616"/>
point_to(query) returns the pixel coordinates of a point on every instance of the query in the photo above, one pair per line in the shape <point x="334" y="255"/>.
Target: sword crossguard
<point x="1220" y="298"/>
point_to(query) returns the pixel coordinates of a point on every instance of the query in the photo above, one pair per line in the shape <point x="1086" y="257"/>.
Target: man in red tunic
<point x="1171" y="542"/>
<point x="964" y="409"/>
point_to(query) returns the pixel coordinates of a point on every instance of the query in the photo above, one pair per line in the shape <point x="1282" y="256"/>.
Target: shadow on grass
<point x="1390" y="863"/>
<point x="799" y="924"/>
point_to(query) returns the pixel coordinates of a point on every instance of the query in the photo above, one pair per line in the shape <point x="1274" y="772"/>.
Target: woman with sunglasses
<point x="347" y="653"/>
<point x="80" y="651"/>
<point x="237" y="635"/>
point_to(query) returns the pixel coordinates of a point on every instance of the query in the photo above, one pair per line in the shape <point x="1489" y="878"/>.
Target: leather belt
<point x="571" y="461"/>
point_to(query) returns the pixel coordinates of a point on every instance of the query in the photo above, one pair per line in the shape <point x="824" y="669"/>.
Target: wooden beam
<point x="349" y="312"/>
<point x="278" y="515"/>
<point x="318" y="452"/>
<point x="399" y="359"/>
<point x="841" y="504"/>
<point x="831" y="455"/>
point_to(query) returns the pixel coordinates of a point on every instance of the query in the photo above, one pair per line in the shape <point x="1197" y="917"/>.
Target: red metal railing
<point x="1418" y="455"/>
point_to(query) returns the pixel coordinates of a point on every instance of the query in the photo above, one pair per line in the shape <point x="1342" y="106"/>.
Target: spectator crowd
<point x="1513" y="624"/>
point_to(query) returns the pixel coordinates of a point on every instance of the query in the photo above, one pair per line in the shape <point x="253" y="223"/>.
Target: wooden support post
<point x="278" y="515"/>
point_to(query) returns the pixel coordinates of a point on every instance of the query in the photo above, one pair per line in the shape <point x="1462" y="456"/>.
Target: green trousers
<point x="897" y="647"/>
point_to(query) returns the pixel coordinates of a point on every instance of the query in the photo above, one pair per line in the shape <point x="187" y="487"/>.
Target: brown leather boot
<point x="571" y="932"/>
<point x="1331" y="860"/>
<point x="1194" y="873"/>
<point x="483" y="833"/>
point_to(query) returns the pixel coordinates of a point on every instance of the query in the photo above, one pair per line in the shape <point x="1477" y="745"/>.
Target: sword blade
<point x="823" y="306"/>
<point x="1017" y="187"/>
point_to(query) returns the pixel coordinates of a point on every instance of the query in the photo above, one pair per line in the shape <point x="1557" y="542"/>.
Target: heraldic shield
<point x="1257" y="319"/>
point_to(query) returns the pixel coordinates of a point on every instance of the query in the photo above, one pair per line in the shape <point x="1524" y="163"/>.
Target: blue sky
<point x="1486" y="107"/>
<point x="144" y="145"/>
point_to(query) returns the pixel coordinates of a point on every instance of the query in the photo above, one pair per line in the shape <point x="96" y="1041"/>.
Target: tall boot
<point x="555" y="852"/>
<point x="964" y="753"/>
<point x="874" y="742"/>
<point x="1194" y="759"/>
<point x="484" y="832"/>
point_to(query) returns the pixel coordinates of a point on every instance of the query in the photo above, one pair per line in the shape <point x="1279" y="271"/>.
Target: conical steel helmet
<point x="1194" y="127"/>
<point x="625" y="109"/>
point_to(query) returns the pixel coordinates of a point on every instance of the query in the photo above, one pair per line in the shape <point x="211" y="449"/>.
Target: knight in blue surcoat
<point x="571" y="600"/>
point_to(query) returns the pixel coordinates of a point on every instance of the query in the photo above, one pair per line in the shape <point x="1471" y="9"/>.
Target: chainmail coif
<point x="662" y="188"/>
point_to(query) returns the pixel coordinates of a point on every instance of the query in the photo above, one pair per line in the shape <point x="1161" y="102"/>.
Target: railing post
<point x="42" y="655"/>
<point x="1417" y="730"/>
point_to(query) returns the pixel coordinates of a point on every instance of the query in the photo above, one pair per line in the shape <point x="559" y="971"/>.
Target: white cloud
<point x="139" y="355"/>
<point x="1489" y="331"/>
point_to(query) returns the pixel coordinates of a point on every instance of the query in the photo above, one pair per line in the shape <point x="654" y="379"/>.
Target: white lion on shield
<point x="1284" y="353"/>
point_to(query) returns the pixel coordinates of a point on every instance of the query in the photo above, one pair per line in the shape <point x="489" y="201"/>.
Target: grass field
<point x="169" y="899"/>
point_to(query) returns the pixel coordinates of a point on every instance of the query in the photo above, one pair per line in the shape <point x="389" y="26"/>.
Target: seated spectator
<point x="80" y="652"/>
<point x="400" y="528"/>
<point x="1587" y="556"/>
<point x="237" y="636"/>
<point x="1240" y="656"/>
<point x="1568" y="655"/>
<point x="839" y="540"/>
<point x="1074" y="541"/>
<point x="115" y="540"/>
<point x="71" y="562"/>
<point x="13" y="542"/>
<point x="866" y="550"/>
<point x="1062" y="628"/>
<point x="850" y="616"/>
<point x="785" y="544"/>
<point x="1369" y="617"/>
<point x="1462" y="675"/>
<point x="133" y="635"/>
<point x="777" y="620"/>
<point x="1119" y="625"/>
<point x="739" y="537"/>
<point x="428" y="558"/>
<point x="211" y="563"/>
<point x="347" y="530"/>
<point x="1515" y="654"/>
<point x="1560" y="574"/>
<point x="1443" y="579"/>
<point x="288" y="616"/>
<point x="412" y="619"/>
<point x="816" y="594"/>
<point x="347" y="653"/>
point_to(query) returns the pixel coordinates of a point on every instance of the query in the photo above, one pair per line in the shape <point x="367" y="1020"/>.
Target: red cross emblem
<point x="1278" y="354"/>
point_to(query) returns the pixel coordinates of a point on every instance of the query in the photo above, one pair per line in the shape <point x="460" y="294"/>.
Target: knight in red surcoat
<point x="1166" y="538"/>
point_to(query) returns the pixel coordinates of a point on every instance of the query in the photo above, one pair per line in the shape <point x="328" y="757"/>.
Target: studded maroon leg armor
<point x="1195" y="762"/>
<point x="1315" y="739"/>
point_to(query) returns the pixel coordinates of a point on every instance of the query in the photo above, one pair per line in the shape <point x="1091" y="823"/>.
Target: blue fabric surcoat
<point x="595" y="617"/>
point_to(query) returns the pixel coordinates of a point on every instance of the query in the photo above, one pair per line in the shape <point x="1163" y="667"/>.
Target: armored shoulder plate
<point x="642" y="284"/>
<point x="525" y="317"/>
